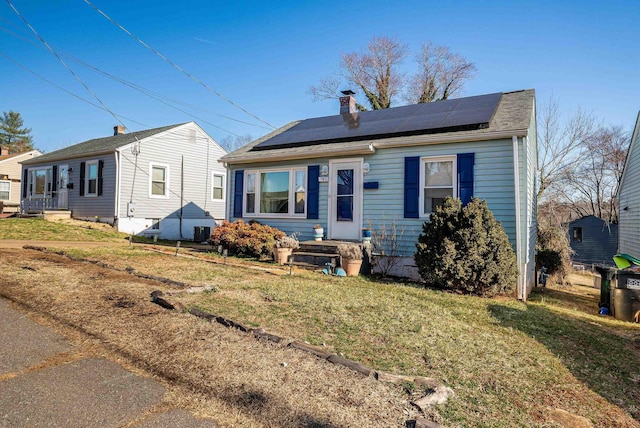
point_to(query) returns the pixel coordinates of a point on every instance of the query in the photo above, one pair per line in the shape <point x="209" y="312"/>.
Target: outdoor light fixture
<point x="324" y="170"/>
<point x="366" y="168"/>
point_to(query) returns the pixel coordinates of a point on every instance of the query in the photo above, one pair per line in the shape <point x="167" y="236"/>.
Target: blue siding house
<point x="593" y="240"/>
<point x="356" y="170"/>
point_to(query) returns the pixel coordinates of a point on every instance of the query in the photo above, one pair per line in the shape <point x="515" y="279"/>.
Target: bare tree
<point x="592" y="184"/>
<point x="442" y="74"/>
<point x="233" y="142"/>
<point x="559" y="144"/>
<point x="376" y="72"/>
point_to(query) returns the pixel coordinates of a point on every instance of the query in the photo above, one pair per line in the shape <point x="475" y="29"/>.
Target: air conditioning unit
<point x="201" y="233"/>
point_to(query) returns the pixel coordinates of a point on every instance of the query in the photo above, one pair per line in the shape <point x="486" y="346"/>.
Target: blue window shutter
<point x="238" y="193"/>
<point x="313" y="192"/>
<point x="465" y="177"/>
<point x="411" y="190"/>
<point x="82" y="172"/>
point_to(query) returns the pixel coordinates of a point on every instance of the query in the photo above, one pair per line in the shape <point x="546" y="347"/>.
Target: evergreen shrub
<point x="466" y="250"/>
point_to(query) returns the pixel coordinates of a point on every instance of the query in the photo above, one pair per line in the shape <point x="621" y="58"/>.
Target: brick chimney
<point x="119" y="129"/>
<point x="348" y="102"/>
<point x="4" y="151"/>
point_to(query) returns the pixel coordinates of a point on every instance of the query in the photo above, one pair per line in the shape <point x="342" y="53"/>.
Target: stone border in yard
<point x="439" y="394"/>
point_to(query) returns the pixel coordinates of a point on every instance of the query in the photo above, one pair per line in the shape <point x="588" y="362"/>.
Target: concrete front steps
<point x="316" y="254"/>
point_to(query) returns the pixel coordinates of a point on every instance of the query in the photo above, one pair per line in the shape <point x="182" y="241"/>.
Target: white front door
<point x="63" y="192"/>
<point x="345" y="199"/>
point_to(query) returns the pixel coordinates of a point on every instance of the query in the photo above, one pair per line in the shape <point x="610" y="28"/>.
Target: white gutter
<point x="302" y="153"/>
<point x="516" y="177"/>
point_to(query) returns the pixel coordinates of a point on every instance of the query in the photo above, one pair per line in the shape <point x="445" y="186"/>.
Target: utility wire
<point x="152" y="94"/>
<point x="65" y="90"/>
<point x="62" y="62"/>
<point x="195" y="79"/>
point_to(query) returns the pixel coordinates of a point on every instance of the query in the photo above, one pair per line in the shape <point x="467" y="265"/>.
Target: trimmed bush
<point x="465" y="249"/>
<point x="251" y="239"/>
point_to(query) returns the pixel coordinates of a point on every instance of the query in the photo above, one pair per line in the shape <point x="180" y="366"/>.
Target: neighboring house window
<point x="577" y="234"/>
<point x="438" y="181"/>
<point x="155" y="224"/>
<point x="40" y="182"/>
<point x="276" y="193"/>
<point x="91" y="178"/>
<point x="217" y="187"/>
<point x="5" y="190"/>
<point x="159" y="185"/>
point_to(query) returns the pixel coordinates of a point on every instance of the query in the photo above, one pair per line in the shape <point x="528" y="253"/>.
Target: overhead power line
<point x="67" y="91"/>
<point x="177" y="67"/>
<point x="148" y="92"/>
<point x="44" y="42"/>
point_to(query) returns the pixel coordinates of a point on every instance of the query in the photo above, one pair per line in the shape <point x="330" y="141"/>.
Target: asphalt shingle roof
<point x="98" y="145"/>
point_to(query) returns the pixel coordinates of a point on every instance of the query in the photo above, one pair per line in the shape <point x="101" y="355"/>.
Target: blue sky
<point x="264" y="56"/>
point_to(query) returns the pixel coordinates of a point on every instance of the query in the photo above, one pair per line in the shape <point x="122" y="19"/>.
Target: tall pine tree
<point x="12" y="133"/>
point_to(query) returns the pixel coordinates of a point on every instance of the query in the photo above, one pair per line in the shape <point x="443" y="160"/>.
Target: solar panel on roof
<point x="462" y="114"/>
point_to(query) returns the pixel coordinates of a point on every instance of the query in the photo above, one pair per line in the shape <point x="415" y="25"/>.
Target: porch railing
<point x="41" y="204"/>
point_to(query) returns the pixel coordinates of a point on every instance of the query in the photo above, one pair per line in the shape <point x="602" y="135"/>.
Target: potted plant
<point x="318" y="232"/>
<point x="284" y="248"/>
<point x="350" y="258"/>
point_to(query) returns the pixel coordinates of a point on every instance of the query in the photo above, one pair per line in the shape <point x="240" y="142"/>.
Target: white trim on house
<point x="454" y="179"/>
<point x="291" y="201"/>
<point x="8" y="198"/>
<point x="222" y="187"/>
<point x="87" y="168"/>
<point x="358" y="199"/>
<point x="153" y="165"/>
<point x="522" y="294"/>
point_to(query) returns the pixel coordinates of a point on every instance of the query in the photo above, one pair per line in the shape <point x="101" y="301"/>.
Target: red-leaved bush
<point x="246" y="239"/>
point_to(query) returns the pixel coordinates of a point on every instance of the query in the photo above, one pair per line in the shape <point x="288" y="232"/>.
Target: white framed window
<point x="158" y="180"/>
<point x="437" y="180"/>
<point x="276" y="192"/>
<point x="40" y="182"/>
<point x="5" y="190"/>
<point x="91" y="178"/>
<point x="217" y="186"/>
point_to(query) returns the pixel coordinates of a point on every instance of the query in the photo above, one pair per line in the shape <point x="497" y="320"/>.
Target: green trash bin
<point x="606" y="273"/>
<point x="625" y="296"/>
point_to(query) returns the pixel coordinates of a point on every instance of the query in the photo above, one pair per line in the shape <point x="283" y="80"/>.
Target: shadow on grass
<point x="587" y="304"/>
<point x="604" y="361"/>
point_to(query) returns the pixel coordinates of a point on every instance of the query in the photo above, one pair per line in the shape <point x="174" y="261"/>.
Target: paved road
<point x="42" y="384"/>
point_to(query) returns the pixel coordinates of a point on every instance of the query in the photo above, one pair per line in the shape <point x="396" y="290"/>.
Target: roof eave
<point x="369" y="146"/>
<point x="62" y="158"/>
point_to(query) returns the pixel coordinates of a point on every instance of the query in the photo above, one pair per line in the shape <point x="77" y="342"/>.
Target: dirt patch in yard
<point x="214" y="371"/>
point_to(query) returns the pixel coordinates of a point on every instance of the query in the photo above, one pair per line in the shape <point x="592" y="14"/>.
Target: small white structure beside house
<point x="10" y="177"/>
<point x="165" y="181"/>
<point x="629" y="198"/>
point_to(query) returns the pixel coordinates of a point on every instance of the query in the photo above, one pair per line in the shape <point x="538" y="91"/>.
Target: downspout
<point x="516" y="177"/>
<point x="116" y="214"/>
<point x="181" y="193"/>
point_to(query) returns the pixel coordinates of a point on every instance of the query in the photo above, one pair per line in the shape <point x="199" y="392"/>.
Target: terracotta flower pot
<point x="281" y="255"/>
<point x="352" y="267"/>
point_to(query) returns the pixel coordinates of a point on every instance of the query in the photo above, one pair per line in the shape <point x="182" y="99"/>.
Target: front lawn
<point x="39" y="229"/>
<point x="509" y="363"/>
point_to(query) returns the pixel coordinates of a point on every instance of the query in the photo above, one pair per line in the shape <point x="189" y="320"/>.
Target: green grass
<point x="508" y="362"/>
<point x="39" y="229"/>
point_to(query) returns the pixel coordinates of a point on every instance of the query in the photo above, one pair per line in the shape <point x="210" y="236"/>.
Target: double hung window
<point x="91" y="177"/>
<point x="217" y="186"/>
<point x="438" y="178"/>
<point x="5" y="190"/>
<point x="158" y="181"/>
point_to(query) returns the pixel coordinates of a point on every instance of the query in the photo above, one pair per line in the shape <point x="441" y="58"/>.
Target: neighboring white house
<point x="355" y="169"/>
<point x="10" y="177"/>
<point x="629" y="198"/>
<point x="165" y="181"/>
